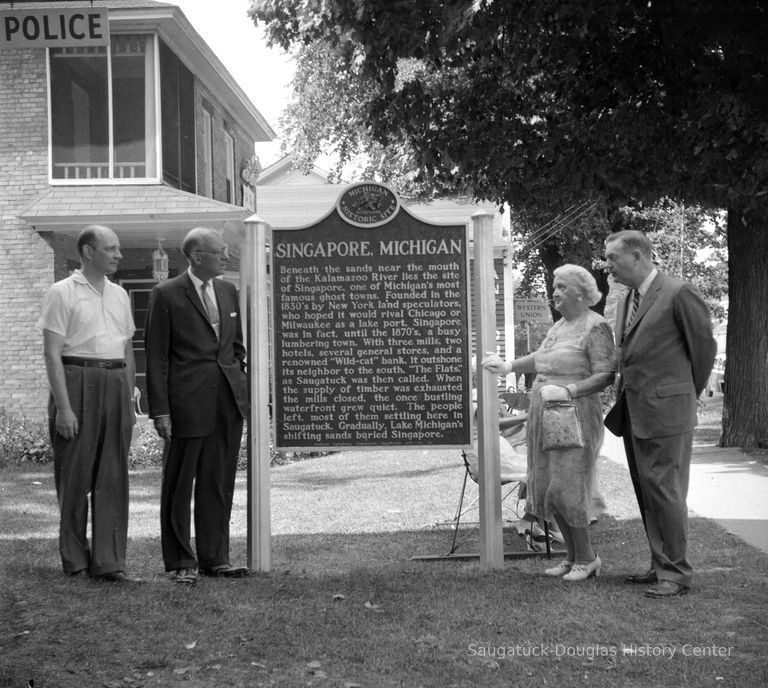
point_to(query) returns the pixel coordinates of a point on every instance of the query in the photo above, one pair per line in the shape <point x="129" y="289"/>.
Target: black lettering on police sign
<point x="53" y="28"/>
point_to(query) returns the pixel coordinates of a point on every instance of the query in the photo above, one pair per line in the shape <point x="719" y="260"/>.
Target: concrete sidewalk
<point x="726" y="485"/>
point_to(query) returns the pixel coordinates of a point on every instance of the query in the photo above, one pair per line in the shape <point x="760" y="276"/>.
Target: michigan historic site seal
<point x="368" y="204"/>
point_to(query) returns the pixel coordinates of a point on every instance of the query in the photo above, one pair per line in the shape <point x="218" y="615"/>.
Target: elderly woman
<point x="575" y="361"/>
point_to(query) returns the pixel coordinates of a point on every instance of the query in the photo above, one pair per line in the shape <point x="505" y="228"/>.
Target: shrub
<point x="146" y="445"/>
<point x="147" y="449"/>
<point x="23" y="440"/>
<point x="27" y="441"/>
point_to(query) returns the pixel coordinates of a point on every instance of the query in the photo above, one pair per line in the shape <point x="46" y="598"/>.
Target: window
<point x="207" y="153"/>
<point x="177" y="88"/>
<point x="103" y="114"/>
<point x="229" y="171"/>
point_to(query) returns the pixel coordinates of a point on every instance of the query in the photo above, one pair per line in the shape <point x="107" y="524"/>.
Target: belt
<point x="94" y="362"/>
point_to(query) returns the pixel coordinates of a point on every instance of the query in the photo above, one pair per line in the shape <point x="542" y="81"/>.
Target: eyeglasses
<point x="223" y="252"/>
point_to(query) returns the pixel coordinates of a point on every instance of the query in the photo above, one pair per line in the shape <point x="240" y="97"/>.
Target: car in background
<point x="716" y="382"/>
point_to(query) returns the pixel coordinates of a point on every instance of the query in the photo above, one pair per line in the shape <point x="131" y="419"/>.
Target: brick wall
<point x="28" y="264"/>
<point x="26" y="260"/>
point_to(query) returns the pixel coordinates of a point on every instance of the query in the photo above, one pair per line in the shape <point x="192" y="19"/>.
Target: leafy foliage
<point x="318" y="122"/>
<point x="147" y="450"/>
<point x="326" y="118"/>
<point x="528" y="102"/>
<point x="545" y="105"/>
<point x="525" y="103"/>
<point x="544" y="240"/>
<point x="26" y="441"/>
<point x="23" y="440"/>
<point x="146" y="446"/>
<point x="689" y="243"/>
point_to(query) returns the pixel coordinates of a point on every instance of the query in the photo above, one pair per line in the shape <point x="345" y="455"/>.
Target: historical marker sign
<point x="371" y="328"/>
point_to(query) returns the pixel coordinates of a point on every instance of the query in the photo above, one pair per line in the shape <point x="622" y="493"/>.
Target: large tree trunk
<point x="745" y="408"/>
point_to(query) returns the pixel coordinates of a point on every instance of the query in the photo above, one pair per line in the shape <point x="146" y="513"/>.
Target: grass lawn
<point x="344" y="604"/>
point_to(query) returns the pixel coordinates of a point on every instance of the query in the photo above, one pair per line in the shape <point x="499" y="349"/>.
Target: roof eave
<point x="176" y="213"/>
<point x="56" y="222"/>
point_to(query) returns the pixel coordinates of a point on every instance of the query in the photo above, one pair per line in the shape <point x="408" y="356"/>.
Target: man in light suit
<point x="198" y="398"/>
<point x="666" y="352"/>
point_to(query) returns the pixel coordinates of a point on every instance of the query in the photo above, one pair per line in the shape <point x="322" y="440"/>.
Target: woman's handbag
<point x="560" y="427"/>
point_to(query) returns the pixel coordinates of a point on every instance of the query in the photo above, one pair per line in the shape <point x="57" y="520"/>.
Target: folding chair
<point x="514" y="471"/>
<point x="516" y="400"/>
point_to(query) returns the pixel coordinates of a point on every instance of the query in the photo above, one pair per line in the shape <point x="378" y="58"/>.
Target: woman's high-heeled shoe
<point x="580" y="572"/>
<point x="560" y="570"/>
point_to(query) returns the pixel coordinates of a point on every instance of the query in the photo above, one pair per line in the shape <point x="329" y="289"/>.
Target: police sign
<point x="532" y="311"/>
<point x="53" y="28"/>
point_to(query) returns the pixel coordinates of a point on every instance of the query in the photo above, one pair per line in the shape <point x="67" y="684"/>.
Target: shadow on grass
<point x="344" y="604"/>
<point x="345" y="609"/>
<point x="318" y="479"/>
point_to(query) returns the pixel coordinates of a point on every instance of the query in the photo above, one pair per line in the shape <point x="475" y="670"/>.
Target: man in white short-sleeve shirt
<point x="87" y="330"/>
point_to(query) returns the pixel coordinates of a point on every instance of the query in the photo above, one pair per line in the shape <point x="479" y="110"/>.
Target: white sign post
<point x="489" y="482"/>
<point x="254" y="264"/>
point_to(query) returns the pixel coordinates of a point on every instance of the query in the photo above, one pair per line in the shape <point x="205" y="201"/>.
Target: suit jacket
<point x="185" y="361"/>
<point x="665" y="358"/>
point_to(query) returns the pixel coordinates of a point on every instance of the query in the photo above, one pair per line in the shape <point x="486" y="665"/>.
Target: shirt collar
<point x="195" y="280"/>
<point x="78" y="276"/>
<point x="643" y="288"/>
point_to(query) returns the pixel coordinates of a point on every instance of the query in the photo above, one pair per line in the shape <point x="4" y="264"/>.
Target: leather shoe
<point x="224" y="571"/>
<point x="185" y="576"/>
<point x="116" y="577"/>
<point x="647" y="578"/>
<point x="580" y="572"/>
<point x="666" y="588"/>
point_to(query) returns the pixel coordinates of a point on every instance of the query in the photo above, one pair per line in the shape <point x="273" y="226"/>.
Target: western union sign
<point x="532" y="311"/>
<point x="53" y="28"/>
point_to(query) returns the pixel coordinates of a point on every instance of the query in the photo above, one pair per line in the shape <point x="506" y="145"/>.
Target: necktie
<point x="210" y="307"/>
<point x="633" y="308"/>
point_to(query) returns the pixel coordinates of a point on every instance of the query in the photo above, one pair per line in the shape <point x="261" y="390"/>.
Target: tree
<point x="689" y="243"/>
<point x="324" y="114"/>
<point x="327" y="117"/>
<point x="543" y="240"/>
<point x="544" y="104"/>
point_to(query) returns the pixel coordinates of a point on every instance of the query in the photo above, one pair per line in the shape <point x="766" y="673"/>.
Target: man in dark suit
<point x="666" y="352"/>
<point x="198" y="398"/>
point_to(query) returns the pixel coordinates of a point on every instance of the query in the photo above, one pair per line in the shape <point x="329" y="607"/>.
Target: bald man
<point x="87" y="329"/>
<point x="198" y="398"/>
